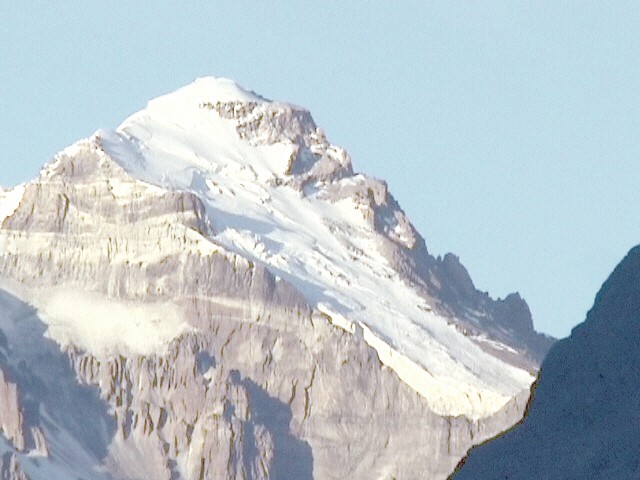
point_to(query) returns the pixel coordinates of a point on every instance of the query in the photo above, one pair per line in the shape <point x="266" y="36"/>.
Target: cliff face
<point x="583" y="418"/>
<point x="173" y="329"/>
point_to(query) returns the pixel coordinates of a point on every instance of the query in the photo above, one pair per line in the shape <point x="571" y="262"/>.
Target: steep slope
<point x="249" y="307"/>
<point x="584" y="413"/>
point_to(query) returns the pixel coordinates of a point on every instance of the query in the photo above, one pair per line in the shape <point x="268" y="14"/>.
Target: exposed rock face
<point x="157" y="351"/>
<point x="186" y="415"/>
<point x="10" y="468"/>
<point x="10" y="413"/>
<point x="506" y="320"/>
<point x="583" y="418"/>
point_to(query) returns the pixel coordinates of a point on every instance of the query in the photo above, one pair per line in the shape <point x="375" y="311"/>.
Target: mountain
<point x="583" y="418"/>
<point x="211" y="291"/>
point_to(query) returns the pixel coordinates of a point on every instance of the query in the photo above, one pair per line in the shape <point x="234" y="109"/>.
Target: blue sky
<point x="508" y="131"/>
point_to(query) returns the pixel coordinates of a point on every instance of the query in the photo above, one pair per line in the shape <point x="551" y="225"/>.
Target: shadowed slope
<point x="584" y="415"/>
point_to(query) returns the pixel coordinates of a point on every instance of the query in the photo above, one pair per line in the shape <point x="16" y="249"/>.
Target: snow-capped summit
<point x="210" y="90"/>
<point x="215" y="120"/>
<point x="217" y="247"/>
<point x="276" y="192"/>
<point x="279" y="194"/>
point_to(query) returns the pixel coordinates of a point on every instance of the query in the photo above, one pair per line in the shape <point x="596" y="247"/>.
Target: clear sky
<point x="508" y="131"/>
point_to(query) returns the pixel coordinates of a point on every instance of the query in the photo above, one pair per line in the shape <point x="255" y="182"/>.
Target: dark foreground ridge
<point x="584" y="414"/>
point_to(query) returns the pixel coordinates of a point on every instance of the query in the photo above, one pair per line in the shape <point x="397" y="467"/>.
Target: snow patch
<point x="99" y="324"/>
<point x="9" y="201"/>
<point x="494" y="344"/>
<point x="445" y="395"/>
<point x="214" y="89"/>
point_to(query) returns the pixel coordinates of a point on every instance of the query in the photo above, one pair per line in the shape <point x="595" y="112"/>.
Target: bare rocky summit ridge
<point x="141" y="338"/>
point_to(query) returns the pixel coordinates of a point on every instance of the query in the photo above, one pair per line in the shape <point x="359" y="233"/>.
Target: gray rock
<point x="11" y="417"/>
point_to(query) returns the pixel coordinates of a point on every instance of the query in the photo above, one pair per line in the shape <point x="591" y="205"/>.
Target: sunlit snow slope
<point x="278" y="193"/>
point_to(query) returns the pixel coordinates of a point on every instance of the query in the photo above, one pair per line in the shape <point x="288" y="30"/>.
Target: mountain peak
<point x="277" y="193"/>
<point x="213" y="123"/>
<point x="216" y="89"/>
<point x="217" y="270"/>
<point x="183" y="106"/>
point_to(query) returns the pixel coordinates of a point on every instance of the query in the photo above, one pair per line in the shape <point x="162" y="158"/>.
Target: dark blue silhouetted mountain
<point x="583" y="420"/>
